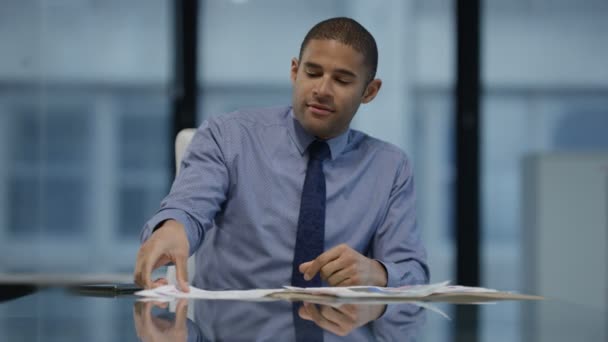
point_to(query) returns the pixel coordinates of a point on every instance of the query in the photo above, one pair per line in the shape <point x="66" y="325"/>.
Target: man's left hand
<point x="343" y="266"/>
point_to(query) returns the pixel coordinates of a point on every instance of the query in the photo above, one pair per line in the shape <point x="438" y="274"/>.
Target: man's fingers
<point x="158" y="250"/>
<point x="160" y="282"/>
<point x="340" y="277"/>
<point x="347" y="282"/>
<point x="181" y="272"/>
<point x="304" y="313"/>
<point x="137" y="277"/>
<point x="333" y="267"/>
<point x="146" y="274"/>
<point x="146" y="315"/>
<point x="321" y="260"/>
<point x="351" y="310"/>
<point x="162" y="261"/>
<point x="143" y="271"/>
<point x="304" y="266"/>
<point x="138" y="312"/>
<point x="162" y="305"/>
<point x="181" y="312"/>
<point x="337" y="316"/>
<point x="322" y="321"/>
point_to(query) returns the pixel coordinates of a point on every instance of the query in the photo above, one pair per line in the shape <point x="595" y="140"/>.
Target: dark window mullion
<point x="467" y="213"/>
<point x="184" y="85"/>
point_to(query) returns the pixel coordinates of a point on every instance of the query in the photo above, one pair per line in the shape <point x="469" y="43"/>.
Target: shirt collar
<point x="302" y="139"/>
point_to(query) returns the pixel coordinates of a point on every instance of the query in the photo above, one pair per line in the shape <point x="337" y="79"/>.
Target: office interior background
<point x="85" y="115"/>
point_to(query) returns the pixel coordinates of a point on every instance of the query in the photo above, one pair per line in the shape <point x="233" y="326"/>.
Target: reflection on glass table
<point x="55" y="314"/>
<point x="279" y="321"/>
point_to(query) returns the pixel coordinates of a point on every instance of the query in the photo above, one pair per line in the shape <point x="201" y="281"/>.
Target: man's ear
<point x="371" y="90"/>
<point x="294" y="69"/>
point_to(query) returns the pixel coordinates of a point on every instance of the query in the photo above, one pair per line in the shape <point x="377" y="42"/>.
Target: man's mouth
<point x="319" y="109"/>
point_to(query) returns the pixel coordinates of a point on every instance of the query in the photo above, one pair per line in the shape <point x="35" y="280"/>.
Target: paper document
<point x="432" y="292"/>
<point x="413" y="291"/>
<point x="195" y="293"/>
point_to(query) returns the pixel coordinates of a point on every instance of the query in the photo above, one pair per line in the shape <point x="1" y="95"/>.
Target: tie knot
<point x="318" y="150"/>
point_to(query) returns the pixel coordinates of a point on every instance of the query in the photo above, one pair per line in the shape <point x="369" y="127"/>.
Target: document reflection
<point x="259" y="321"/>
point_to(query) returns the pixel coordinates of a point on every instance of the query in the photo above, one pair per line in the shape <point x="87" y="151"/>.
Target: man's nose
<point x="323" y="87"/>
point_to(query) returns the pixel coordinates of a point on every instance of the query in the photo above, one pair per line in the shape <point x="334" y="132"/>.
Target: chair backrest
<point x="182" y="141"/>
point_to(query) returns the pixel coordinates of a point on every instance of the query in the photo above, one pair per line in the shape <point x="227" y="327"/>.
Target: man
<point x="291" y="195"/>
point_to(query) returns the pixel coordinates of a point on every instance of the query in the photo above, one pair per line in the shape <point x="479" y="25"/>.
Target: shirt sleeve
<point x="397" y="244"/>
<point x="200" y="189"/>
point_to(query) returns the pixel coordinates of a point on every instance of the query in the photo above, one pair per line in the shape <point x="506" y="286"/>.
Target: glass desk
<point x="55" y="314"/>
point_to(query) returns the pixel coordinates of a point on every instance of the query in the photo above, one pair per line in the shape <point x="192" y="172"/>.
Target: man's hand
<point x="150" y="328"/>
<point x="168" y="243"/>
<point x="343" y="266"/>
<point x="340" y="320"/>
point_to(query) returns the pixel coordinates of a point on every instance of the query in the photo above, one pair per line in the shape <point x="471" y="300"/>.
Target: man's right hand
<point x="168" y="243"/>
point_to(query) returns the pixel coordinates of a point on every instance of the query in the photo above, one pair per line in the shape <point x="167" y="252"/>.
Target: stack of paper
<point x="433" y="292"/>
<point x="170" y="291"/>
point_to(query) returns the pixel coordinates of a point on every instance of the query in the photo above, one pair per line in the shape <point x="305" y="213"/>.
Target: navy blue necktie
<point x="310" y="238"/>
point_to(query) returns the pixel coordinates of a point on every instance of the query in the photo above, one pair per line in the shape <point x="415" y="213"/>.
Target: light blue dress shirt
<point x="238" y="196"/>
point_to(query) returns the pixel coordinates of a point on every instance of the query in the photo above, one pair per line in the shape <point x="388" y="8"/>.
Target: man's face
<point x="329" y="83"/>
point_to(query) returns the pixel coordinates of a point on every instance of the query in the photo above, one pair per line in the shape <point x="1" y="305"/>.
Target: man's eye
<point x="312" y="74"/>
<point x="341" y="81"/>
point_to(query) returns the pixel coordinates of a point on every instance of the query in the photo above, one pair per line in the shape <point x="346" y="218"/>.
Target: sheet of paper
<point x="417" y="291"/>
<point x="432" y="292"/>
<point x="170" y="292"/>
<point x="463" y="289"/>
<point x="195" y="293"/>
<point x="413" y="291"/>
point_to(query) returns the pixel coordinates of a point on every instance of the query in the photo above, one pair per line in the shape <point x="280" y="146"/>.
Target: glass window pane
<point x="84" y="109"/>
<point x="545" y="90"/>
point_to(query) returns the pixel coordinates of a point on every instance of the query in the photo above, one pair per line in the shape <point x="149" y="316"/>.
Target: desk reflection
<point x="259" y="321"/>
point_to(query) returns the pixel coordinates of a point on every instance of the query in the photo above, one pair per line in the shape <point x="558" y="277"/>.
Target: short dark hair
<point x="348" y="32"/>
